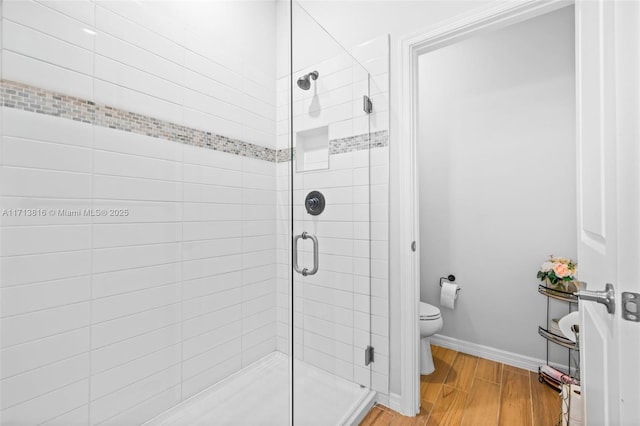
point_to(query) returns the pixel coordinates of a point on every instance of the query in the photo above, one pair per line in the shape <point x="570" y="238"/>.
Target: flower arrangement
<point x="558" y="272"/>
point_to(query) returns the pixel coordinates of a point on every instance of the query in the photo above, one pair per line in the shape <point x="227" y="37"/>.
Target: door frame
<point x="477" y="22"/>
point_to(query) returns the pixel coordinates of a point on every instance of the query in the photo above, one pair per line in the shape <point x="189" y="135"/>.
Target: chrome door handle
<point x="606" y="297"/>
<point x="305" y="271"/>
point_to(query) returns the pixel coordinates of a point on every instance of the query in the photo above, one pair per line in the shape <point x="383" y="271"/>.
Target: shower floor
<point x="260" y="395"/>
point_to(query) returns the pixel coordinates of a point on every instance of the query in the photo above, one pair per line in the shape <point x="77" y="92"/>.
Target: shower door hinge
<point x="367" y="105"/>
<point x="368" y="355"/>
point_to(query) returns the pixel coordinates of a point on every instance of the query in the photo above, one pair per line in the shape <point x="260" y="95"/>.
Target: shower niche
<point x="312" y="149"/>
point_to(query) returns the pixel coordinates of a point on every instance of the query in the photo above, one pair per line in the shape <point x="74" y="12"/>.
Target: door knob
<point x="606" y="297"/>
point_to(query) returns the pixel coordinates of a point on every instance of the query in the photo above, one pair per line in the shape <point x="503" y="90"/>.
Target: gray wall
<point x="497" y="176"/>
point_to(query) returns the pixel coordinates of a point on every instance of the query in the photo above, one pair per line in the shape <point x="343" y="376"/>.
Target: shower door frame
<point x="364" y="405"/>
<point x="406" y="84"/>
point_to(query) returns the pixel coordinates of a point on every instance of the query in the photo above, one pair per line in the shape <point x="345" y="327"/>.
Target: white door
<point x="608" y="92"/>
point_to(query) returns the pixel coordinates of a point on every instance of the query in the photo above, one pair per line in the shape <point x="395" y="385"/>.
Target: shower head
<point x="304" y="82"/>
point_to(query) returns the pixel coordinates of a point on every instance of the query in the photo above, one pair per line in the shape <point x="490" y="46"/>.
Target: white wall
<point x="113" y="320"/>
<point x="496" y="156"/>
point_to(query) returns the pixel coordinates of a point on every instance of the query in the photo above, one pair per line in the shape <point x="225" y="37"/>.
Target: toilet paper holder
<point x="450" y="278"/>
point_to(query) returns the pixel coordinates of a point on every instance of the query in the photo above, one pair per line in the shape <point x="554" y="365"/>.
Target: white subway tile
<point x="124" y="188"/>
<point x="120" y="329"/>
<point x="107" y="139"/>
<point x="260" y="350"/>
<point x="192" y="250"/>
<point x="328" y="329"/>
<point x="328" y="312"/>
<point x="28" y="356"/>
<point x="110" y="356"/>
<point x="148" y="409"/>
<point x="212" y="266"/>
<point x="258" y="289"/>
<point x="212" y="176"/>
<point x="125" y="375"/>
<point x="26" y="386"/>
<point x="78" y="416"/>
<point x="212" y="194"/>
<point x="82" y="10"/>
<point x="107" y="308"/>
<point x="206" y="360"/>
<point x="41" y="183"/>
<point x="111" y="283"/>
<point x="211" y="284"/>
<point x="211" y="212"/>
<point x="208" y="104"/>
<point x="43" y="19"/>
<point x="212" y="123"/>
<point x="20" y="124"/>
<point x="30" y="269"/>
<point x="254" y="322"/>
<point x="36" y="325"/>
<point x="380" y="325"/>
<point x="113" y="259"/>
<point x="208" y="377"/>
<point x="116" y="164"/>
<point x="20" y="153"/>
<point x="265" y="332"/>
<point x="116" y="96"/>
<point x="204" y="65"/>
<point x="141" y="59"/>
<point x="65" y="211"/>
<point x="329" y="363"/>
<point x="117" y="235"/>
<point x="131" y="396"/>
<point x="23" y="299"/>
<point x="49" y="405"/>
<point x="339" y="350"/>
<point x="258" y="274"/>
<point x="209" y="340"/>
<point x="136" y="34"/>
<point x="211" y="303"/>
<point x="23" y="40"/>
<point x="205" y="323"/>
<point x="132" y="211"/>
<point x="44" y="239"/>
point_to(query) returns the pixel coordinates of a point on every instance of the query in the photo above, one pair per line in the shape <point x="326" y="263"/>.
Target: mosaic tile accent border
<point x="340" y="146"/>
<point x="359" y="142"/>
<point x="33" y="99"/>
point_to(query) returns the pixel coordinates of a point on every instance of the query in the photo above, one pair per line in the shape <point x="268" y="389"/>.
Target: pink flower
<point x="561" y="270"/>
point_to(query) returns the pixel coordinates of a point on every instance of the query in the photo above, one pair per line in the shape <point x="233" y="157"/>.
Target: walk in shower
<point x="185" y="223"/>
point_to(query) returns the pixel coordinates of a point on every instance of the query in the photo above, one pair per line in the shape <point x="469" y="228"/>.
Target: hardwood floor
<point x="469" y="391"/>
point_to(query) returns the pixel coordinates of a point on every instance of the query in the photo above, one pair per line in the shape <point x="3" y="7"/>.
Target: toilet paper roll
<point x="448" y="295"/>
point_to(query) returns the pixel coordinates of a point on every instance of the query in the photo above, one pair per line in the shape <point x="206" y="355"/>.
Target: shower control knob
<point x="314" y="203"/>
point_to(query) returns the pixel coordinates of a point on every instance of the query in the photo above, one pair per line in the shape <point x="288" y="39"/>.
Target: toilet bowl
<point x="430" y="324"/>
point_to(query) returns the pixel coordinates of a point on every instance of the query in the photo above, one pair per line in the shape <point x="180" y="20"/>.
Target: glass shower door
<point x="330" y="212"/>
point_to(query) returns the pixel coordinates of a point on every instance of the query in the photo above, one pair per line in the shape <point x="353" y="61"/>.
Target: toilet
<point x="430" y="324"/>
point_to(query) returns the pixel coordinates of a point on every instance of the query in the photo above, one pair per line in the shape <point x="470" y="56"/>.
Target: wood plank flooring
<point x="465" y="390"/>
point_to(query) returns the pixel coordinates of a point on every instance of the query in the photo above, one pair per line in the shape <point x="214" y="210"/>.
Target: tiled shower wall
<point x="333" y="325"/>
<point x="113" y="319"/>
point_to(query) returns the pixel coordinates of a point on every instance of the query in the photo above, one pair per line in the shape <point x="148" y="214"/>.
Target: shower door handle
<point x="297" y="268"/>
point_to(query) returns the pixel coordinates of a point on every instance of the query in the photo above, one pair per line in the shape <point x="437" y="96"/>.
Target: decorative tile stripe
<point x="359" y="142"/>
<point x="33" y="99"/>
<point x="284" y="155"/>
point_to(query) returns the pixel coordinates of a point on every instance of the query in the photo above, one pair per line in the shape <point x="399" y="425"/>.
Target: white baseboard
<point x="382" y="399"/>
<point x="493" y="354"/>
<point x="395" y="402"/>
